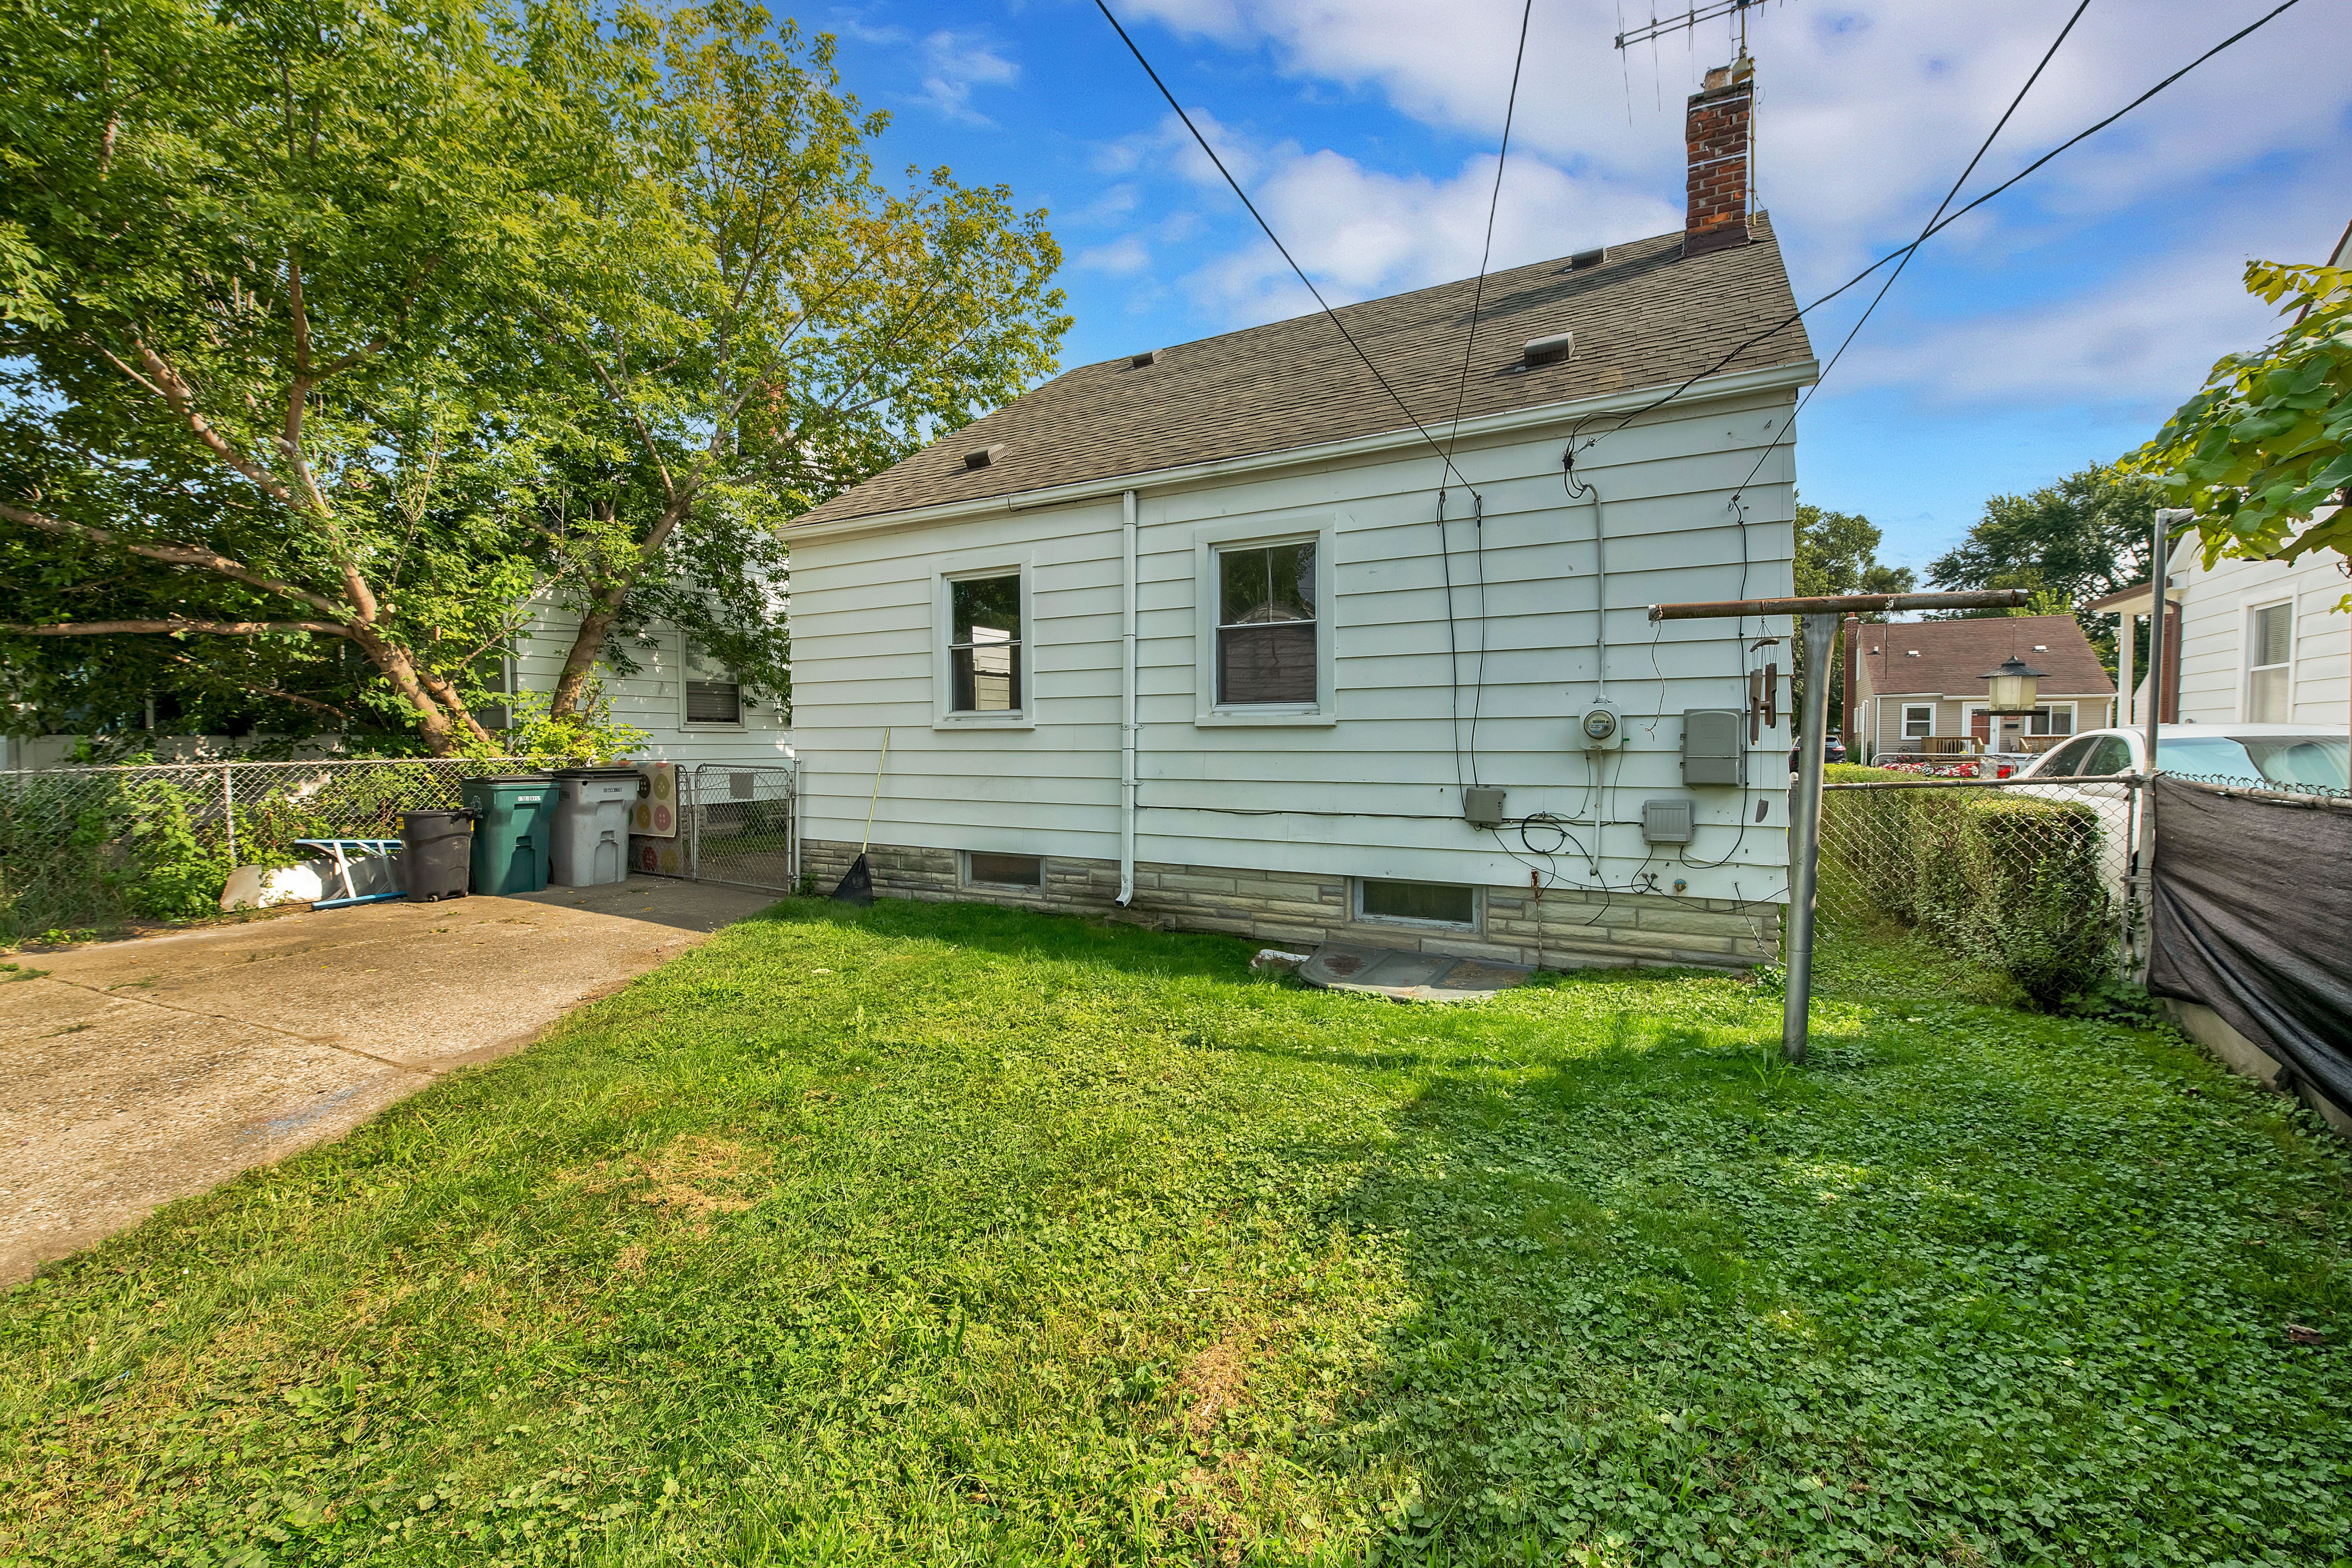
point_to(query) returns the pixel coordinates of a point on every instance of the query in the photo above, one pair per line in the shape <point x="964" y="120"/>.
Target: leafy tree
<point x="2065" y="544"/>
<point x="1837" y="552"/>
<point x="256" y="261"/>
<point x="811" y="329"/>
<point x="2262" y="448"/>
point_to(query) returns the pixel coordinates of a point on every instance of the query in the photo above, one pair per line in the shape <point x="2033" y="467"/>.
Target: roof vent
<point x="1910" y="653"/>
<point x="982" y="457"/>
<point x="2042" y="647"/>
<point x="1547" y="351"/>
<point x="1140" y="361"/>
<point x="1584" y="259"/>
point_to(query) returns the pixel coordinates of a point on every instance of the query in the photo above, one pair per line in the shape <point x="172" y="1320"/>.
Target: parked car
<point x="1833" y="751"/>
<point x="2089" y="769"/>
<point x="2257" y="753"/>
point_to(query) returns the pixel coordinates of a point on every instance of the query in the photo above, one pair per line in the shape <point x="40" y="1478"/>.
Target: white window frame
<point x="2248" y="669"/>
<point x="1910" y="708"/>
<point x="1357" y="915"/>
<point x="964" y="568"/>
<point x="1968" y="711"/>
<point x="707" y="726"/>
<point x="1207" y="541"/>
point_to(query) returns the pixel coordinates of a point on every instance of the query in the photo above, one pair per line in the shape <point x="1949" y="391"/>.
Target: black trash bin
<point x="436" y="850"/>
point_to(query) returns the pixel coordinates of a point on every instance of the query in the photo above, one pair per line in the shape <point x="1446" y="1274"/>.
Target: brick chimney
<point x="1717" y="132"/>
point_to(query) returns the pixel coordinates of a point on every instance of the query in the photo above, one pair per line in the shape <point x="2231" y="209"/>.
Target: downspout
<point x="1127" y="707"/>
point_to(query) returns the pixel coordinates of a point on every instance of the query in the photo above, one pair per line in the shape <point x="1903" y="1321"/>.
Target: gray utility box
<point x="1668" y="819"/>
<point x="591" y="841"/>
<point x="1713" y="750"/>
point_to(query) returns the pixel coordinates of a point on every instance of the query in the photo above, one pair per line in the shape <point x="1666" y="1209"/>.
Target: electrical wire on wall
<point x="1579" y="443"/>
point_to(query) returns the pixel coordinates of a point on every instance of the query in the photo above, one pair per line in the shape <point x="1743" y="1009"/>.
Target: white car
<point x="2257" y="753"/>
<point x="2088" y="768"/>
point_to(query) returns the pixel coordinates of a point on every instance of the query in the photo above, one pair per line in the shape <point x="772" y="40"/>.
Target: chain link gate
<point x="742" y="825"/>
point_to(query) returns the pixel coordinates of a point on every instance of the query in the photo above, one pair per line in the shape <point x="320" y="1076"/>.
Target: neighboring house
<point x="2248" y="641"/>
<point x="1917" y="686"/>
<point x="2255" y="642"/>
<point x="1226" y="555"/>
<point x="691" y="708"/>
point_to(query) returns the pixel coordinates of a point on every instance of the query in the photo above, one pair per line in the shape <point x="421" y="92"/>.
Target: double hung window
<point x="2270" y="651"/>
<point x="985" y="644"/>
<point x="1265" y="624"/>
<point x="1918" y="720"/>
<point x="713" y="694"/>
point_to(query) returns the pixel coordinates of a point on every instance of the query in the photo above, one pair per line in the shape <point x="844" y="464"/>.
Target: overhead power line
<point x="1947" y="222"/>
<point x="1268" y="229"/>
<point x="1789" y="424"/>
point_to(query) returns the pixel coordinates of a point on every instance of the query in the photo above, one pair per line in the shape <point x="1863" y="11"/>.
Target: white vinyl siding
<point x="1366" y="785"/>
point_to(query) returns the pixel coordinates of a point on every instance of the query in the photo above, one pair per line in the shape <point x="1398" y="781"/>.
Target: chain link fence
<point x="100" y="847"/>
<point x="2032" y="877"/>
<point x="742" y="825"/>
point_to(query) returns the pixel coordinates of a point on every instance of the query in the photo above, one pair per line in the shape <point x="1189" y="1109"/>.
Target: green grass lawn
<point x="949" y="1235"/>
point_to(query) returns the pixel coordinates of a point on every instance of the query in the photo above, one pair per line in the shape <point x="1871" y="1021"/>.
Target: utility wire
<point x="1268" y="229"/>
<point x="1937" y="228"/>
<point x="1789" y="424"/>
<point x="1461" y="391"/>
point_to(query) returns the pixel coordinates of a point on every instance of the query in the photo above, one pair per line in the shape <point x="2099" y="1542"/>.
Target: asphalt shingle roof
<point x="1643" y="316"/>
<point x="1955" y="654"/>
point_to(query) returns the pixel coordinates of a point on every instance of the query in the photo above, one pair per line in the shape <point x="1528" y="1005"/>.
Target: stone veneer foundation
<point x="1563" y="929"/>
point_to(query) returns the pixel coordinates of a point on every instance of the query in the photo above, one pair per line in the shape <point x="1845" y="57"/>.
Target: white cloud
<point x="1122" y="257"/>
<point x="1865" y="117"/>
<point x="953" y="65"/>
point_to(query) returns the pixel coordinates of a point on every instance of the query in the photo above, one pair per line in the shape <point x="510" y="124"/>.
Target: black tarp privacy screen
<point x="2252" y="917"/>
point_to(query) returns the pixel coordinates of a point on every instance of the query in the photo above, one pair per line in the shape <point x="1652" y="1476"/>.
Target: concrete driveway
<point x="133" y="1073"/>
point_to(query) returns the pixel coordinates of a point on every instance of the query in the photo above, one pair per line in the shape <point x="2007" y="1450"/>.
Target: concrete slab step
<point x="1404" y="976"/>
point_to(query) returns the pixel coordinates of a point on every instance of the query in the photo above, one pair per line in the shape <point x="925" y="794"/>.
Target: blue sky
<point x="2056" y="327"/>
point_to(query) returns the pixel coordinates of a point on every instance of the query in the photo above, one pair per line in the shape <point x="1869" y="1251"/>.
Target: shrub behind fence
<point x="2026" y="881"/>
<point x="100" y="847"/>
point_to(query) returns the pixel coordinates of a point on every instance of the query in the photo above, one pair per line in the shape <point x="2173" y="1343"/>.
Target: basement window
<point x="1417" y="903"/>
<point x="985" y="869"/>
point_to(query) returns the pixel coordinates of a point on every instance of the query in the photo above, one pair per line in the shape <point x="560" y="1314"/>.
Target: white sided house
<point x="2248" y="642"/>
<point x="1205" y="635"/>
<point x="692" y="708"/>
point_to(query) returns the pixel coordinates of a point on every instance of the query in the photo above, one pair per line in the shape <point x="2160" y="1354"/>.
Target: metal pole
<point x="228" y="811"/>
<point x="1805" y="834"/>
<point x="2145" y="849"/>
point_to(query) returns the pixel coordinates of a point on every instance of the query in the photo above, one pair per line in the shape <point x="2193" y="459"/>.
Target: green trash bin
<point x="512" y="835"/>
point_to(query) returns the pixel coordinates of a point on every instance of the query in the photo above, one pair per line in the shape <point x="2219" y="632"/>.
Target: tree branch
<point x="218" y="628"/>
<point x="173" y="554"/>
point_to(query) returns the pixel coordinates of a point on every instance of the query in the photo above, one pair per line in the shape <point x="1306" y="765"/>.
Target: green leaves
<point x="2262" y="447"/>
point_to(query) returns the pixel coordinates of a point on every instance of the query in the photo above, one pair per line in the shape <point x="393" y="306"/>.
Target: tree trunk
<point x="586" y="644"/>
<point x="433" y="724"/>
<point x="446" y="696"/>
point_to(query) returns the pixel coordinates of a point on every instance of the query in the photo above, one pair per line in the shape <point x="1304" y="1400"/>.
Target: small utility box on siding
<point x="1712" y="752"/>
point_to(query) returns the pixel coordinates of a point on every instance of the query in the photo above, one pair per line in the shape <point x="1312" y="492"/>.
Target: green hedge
<point x="2009" y="881"/>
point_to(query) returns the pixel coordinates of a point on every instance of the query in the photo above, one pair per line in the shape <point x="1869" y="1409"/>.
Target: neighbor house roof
<point x="1952" y="657"/>
<point x="1644" y="315"/>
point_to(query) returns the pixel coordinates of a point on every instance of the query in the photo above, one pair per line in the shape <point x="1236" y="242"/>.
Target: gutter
<point x="1773" y="379"/>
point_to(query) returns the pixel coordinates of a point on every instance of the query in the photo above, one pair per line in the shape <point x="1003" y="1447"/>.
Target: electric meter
<point x="1602" y="728"/>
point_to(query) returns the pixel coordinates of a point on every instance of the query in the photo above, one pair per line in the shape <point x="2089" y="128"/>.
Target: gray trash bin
<point x="591" y="842"/>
